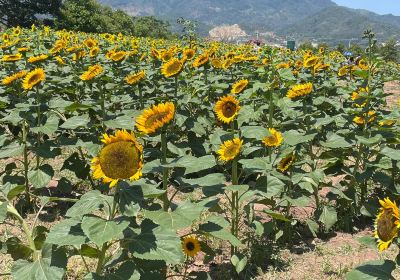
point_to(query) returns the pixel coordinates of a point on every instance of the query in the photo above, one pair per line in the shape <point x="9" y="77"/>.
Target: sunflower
<point x="283" y="65"/>
<point x="10" y="79"/>
<point x="216" y="63"/>
<point x="360" y="120"/>
<point x="239" y="86"/>
<point x="299" y="90"/>
<point x="188" y="54"/>
<point x="59" y="60"/>
<point x="11" y="57"/>
<point x="135" y="77"/>
<point x="156" y="117"/>
<point x="320" y="66"/>
<point x="94" y="51"/>
<point x="118" y="56"/>
<point x="166" y="55"/>
<point x="386" y="122"/>
<point x="33" y="78"/>
<point x="171" y="68"/>
<point x="38" y="58"/>
<point x="191" y="246"/>
<point x="90" y="43"/>
<point x="120" y="158"/>
<point x="201" y="60"/>
<point x="310" y="61"/>
<point x="92" y="72"/>
<point x="229" y="149"/>
<point x="274" y="140"/>
<point x="344" y="70"/>
<point x="286" y="162"/>
<point x="227" y="108"/>
<point x="387" y="223"/>
<point x="298" y="64"/>
<point x="23" y="49"/>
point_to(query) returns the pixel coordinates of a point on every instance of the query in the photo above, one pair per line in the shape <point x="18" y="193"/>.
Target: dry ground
<point x="327" y="259"/>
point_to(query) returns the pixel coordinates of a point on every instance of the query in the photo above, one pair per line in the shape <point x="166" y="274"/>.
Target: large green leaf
<point x="100" y="230"/>
<point x="49" y="127"/>
<point x="39" y="270"/>
<point x="41" y="177"/>
<point x="88" y="203"/>
<point x="391" y="153"/>
<point x="216" y="226"/>
<point x="75" y="122"/>
<point x="181" y="217"/>
<point x="12" y="150"/>
<point x="193" y="164"/>
<point x="336" y="141"/>
<point x="373" y="270"/>
<point x="270" y="185"/>
<point x="293" y="137"/>
<point x="328" y="216"/>
<point x="156" y="243"/>
<point x="67" y="232"/>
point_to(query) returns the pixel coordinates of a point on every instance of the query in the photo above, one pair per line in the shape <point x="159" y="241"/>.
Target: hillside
<point x="313" y="19"/>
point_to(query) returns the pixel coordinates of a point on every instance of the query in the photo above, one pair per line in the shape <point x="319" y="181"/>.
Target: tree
<point x="149" y="26"/>
<point x="306" y="45"/>
<point x="390" y="50"/>
<point x="27" y="12"/>
<point x="341" y="48"/>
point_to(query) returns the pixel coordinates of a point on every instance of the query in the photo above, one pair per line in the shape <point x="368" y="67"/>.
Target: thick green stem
<point x="235" y="204"/>
<point x="26" y="162"/>
<point x="38" y="125"/>
<point x="141" y="97"/>
<point x="165" y="169"/>
<point x="176" y="89"/>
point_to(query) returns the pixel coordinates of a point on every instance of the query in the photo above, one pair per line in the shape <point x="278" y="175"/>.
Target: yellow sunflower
<point x="283" y="65"/>
<point x="191" y="246"/>
<point x="172" y="68"/>
<point x="120" y="158"/>
<point x="387" y="223"/>
<point x="11" y="57"/>
<point x="201" y="60"/>
<point x="135" y="77"/>
<point x="90" y="43"/>
<point x="344" y="70"/>
<point x="33" y="78"/>
<point x="360" y="120"/>
<point x="118" y="56"/>
<point x="286" y="162"/>
<point x="274" y="140"/>
<point x="92" y="72"/>
<point x="59" y="60"/>
<point x="10" y="79"/>
<point x="216" y="63"/>
<point x="37" y="58"/>
<point x="239" y="86"/>
<point x="310" y="61"/>
<point x="386" y="122"/>
<point x="188" y="54"/>
<point x="230" y="149"/>
<point x="299" y="90"/>
<point x="156" y="117"/>
<point x="227" y="108"/>
<point x="94" y="51"/>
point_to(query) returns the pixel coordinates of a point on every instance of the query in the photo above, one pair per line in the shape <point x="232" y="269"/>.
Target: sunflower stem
<point x="235" y="204"/>
<point x="141" y="97"/>
<point x="38" y="125"/>
<point x="25" y="130"/>
<point x="165" y="169"/>
<point x="176" y="89"/>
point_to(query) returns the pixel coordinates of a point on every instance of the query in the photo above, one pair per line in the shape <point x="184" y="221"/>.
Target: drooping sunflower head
<point x="11" y="57"/>
<point x="274" y="140"/>
<point x="286" y="162"/>
<point x="299" y="90"/>
<point x="191" y="246"/>
<point x="37" y="58"/>
<point x="227" y="108"/>
<point x="155" y="117"/>
<point x="92" y="72"/>
<point x="120" y="158"/>
<point x="33" y="78"/>
<point x="239" y="86"/>
<point x="10" y="79"/>
<point x="230" y="149"/>
<point x="387" y="223"/>
<point x="135" y="77"/>
<point x="172" y="68"/>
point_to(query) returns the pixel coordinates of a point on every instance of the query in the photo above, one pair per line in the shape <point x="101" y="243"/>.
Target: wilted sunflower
<point x="229" y="149"/>
<point x="10" y="79"/>
<point x="120" y="158"/>
<point x="387" y="223"/>
<point x="155" y="117"/>
<point x="33" y="78"/>
<point x="344" y="70"/>
<point x="92" y="72"/>
<point x="239" y="86"/>
<point x="37" y="58"/>
<point x="274" y="140"/>
<point x="201" y="60"/>
<point x="11" y="57"/>
<point x="135" y="77"/>
<point x="286" y="162"/>
<point x="310" y="61"/>
<point x="299" y="90"/>
<point x="227" y="108"/>
<point x="191" y="246"/>
<point x="172" y="68"/>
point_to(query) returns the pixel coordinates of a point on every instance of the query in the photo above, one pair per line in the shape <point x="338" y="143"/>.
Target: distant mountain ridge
<point x="294" y="18"/>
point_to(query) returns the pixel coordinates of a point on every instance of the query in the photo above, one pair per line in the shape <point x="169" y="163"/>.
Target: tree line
<point x="79" y="15"/>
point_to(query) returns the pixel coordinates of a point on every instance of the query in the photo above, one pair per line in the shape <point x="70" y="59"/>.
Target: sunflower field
<point x="142" y="157"/>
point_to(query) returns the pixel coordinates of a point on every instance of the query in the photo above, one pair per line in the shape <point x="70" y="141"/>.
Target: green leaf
<point x="3" y="211"/>
<point x="254" y="132"/>
<point x="12" y="150"/>
<point x="122" y="122"/>
<point x="156" y="243"/>
<point x="183" y="216"/>
<point x="88" y="203"/>
<point x="313" y="226"/>
<point x="270" y="185"/>
<point x="15" y="190"/>
<point x="89" y="252"/>
<point x="276" y="215"/>
<point x="75" y="164"/>
<point x="328" y="217"/>
<point x="193" y="164"/>
<point x="213" y="179"/>
<point x="67" y="232"/>
<point x="391" y="153"/>
<point x="373" y="270"/>
<point x="75" y="122"/>
<point x="17" y="249"/>
<point x="239" y="264"/>
<point x="293" y="137"/>
<point x="261" y="164"/>
<point x="368" y="241"/>
<point x="41" y="177"/>
<point x="50" y="127"/>
<point x="217" y="227"/>
<point x="100" y="230"/>
<point x="369" y="141"/>
<point x="336" y="141"/>
<point x="41" y="269"/>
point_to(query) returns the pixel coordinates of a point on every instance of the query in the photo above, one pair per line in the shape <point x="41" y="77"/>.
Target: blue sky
<point x="377" y="6"/>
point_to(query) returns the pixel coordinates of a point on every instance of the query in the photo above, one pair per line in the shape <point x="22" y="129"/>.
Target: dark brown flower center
<point x="190" y="246"/>
<point x="386" y="227"/>
<point x="229" y="109"/>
